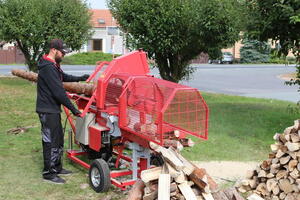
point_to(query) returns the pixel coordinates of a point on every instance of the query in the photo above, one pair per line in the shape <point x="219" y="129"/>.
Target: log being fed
<point x="73" y="87"/>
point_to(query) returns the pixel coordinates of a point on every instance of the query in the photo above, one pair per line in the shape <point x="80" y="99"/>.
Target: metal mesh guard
<point x="156" y="106"/>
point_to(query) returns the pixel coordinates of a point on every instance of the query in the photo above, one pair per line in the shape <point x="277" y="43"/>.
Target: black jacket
<point x="50" y="91"/>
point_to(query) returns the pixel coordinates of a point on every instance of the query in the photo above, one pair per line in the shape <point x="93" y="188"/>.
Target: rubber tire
<point x="104" y="172"/>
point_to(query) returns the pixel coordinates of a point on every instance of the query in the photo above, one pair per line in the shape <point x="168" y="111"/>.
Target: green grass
<point x="240" y="129"/>
<point x="89" y="58"/>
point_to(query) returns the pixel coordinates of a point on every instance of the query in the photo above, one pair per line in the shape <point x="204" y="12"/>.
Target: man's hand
<point x="84" y="77"/>
<point x="77" y="113"/>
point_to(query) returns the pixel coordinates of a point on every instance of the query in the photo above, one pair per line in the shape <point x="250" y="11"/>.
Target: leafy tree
<point x="33" y="23"/>
<point x="276" y="20"/>
<point x="174" y="32"/>
<point x="254" y="51"/>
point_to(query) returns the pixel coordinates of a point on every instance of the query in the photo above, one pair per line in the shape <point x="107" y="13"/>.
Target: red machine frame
<point x="147" y="107"/>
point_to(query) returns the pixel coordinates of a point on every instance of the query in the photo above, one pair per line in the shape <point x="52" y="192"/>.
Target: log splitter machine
<point x="128" y="109"/>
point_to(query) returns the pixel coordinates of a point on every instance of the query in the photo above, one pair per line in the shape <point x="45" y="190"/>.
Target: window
<point x="97" y="45"/>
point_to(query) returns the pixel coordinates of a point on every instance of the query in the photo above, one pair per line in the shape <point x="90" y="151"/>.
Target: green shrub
<point x="255" y="51"/>
<point x="87" y="58"/>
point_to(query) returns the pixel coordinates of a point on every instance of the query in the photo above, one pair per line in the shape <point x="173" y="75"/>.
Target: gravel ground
<point x="227" y="171"/>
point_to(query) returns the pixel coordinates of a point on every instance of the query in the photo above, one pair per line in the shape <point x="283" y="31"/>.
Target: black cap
<point x="59" y="45"/>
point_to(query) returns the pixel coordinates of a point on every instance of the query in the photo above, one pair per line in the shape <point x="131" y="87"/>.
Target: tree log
<point x="73" y="87"/>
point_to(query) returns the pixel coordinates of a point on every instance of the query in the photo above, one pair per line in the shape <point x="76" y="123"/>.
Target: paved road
<point x="259" y="81"/>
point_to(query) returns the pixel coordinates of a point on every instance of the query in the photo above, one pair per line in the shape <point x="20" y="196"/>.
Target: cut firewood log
<point x="284" y="160"/>
<point x="198" y="178"/>
<point x="73" y="87"/>
<point x="285" y="186"/>
<point x="187" y="142"/>
<point x="276" y="190"/>
<point x="292" y="146"/>
<point x="151" y="174"/>
<point x="173" y="143"/>
<point x="266" y="164"/>
<point x="188" y="166"/>
<point x="207" y="196"/>
<point x="169" y="156"/>
<point x="271" y="183"/>
<point x="262" y="188"/>
<point x="281" y="174"/>
<point x="279" y="154"/>
<point x="171" y="134"/>
<point x="198" y="173"/>
<point x="292" y="165"/>
<point x="181" y="178"/>
<point x="136" y="193"/>
<point x="187" y="191"/>
<point x="173" y="172"/>
<point x="232" y="193"/>
<point x="164" y="186"/>
<point x="254" y="197"/>
<point x="154" y="194"/>
<point x="220" y="196"/>
<point x="295" y="138"/>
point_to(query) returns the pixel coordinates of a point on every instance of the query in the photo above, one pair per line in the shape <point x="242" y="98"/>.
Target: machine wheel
<point x="99" y="176"/>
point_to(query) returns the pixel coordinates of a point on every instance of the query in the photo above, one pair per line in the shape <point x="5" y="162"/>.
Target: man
<point x="50" y="96"/>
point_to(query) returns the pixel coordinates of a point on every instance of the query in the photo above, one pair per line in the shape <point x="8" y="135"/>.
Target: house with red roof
<point x="107" y="37"/>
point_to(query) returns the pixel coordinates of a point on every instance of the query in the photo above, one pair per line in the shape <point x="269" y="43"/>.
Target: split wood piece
<point x="151" y="174"/>
<point x="195" y="173"/>
<point x="136" y="193"/>
<point x="232" y="193"/>
<point x="285" y="186"/>
<point x="198" y="178"/>
<point x="220" y="195"/>
<point x="188" y="166"/>
<point x="262" y="188"/>
<point x="281" y="174"/>
<point x="181" y="178"/>
<point x="295" y="138"/>
<point x="292" y="146"/>
<point x="173" y="143"/>
<point x="207" y="196"/>
<point x="250" y="174"/>
<point x="173" y="172"/>
<point x="164" y="186"/>
<point x="289" y="130"/>
<point x="271" y="184"/>
<point x="73" y="87"/>
<point x="171" y="134"/>
<point x="276" y="136"/>
<point x="187" y="191"/>
<point x="154" y="194"/>
<point x="187" y="142"/>
<point x="284" y="160"/>
<point x="266" y="164"/>
<point x="297" y="124"/>
<point x="292" y="165"/>
<point x="254" y="197"/>
<point x="276" y="190"/>
<point x="168" y="156"/>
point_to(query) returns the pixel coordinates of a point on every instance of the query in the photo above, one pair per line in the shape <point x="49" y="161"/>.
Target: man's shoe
<point x="65" y="172"/>
<point x="55" y="180"/>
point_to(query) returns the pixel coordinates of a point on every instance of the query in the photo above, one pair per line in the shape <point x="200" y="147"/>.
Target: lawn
<point x="240" y="129"/>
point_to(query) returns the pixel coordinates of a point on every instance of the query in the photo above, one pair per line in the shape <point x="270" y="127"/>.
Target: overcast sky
<point x="97" y="4"/>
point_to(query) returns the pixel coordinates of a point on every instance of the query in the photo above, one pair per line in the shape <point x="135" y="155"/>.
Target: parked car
<point x="226" y="58"/>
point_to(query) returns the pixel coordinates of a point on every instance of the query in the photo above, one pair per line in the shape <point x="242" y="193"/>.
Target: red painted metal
<point x="146" y="107"/>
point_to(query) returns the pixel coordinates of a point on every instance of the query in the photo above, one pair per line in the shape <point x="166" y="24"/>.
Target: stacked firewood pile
<point x="177" y="179"/>
<point x="279" y="176"/>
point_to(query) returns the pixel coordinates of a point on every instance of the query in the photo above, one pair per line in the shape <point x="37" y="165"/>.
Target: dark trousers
<point x="53" y="143"/>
